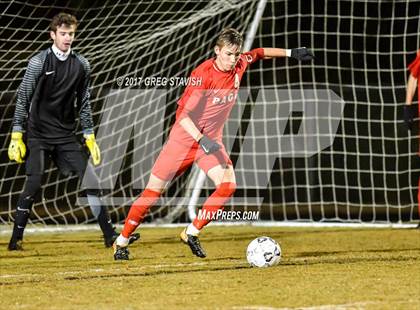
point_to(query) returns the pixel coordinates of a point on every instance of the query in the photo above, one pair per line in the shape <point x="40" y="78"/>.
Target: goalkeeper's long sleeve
<point x="83" y="98"/>
<point x="27" y="89"/>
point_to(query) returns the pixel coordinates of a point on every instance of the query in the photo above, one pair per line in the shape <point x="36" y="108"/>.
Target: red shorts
<point x="175" y="158"/>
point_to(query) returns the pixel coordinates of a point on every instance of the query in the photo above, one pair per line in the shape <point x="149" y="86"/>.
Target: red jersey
<point x="414" y="68"/>
<point x="209" y="100"/>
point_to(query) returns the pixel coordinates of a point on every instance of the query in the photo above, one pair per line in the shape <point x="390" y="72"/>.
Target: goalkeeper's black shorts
<point x="69" y="157"/>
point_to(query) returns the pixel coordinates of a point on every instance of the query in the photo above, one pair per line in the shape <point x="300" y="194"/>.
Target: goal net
<point x="370" y="171"/>
<point x="140" y="52"/>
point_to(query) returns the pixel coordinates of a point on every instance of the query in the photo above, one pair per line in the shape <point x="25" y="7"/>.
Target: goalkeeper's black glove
<point x="408" y="116"/>
<point x="302" y="54"/>
<point x="209" y="146"/>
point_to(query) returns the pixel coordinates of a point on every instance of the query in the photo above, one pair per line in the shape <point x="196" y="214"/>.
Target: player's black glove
<point x="302" y="54"/>
<point x="408" y="116"/>
<point x="208" y="145"/>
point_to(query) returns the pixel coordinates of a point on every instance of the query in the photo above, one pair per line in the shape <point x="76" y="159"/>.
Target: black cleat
<point x="15" y="245"/>
<point x="133" y="238"/>
<point x="194" y="243"/>
<point x="110" y="241"/>
<point x="120" y="252"/>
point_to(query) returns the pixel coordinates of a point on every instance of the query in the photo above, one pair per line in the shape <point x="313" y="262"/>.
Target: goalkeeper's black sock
<point x="101" y="214"/>
<point x="23" y="210"/>
<point x="105" y="223"/>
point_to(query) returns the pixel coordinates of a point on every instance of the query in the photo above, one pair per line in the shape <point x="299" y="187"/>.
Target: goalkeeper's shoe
<point x="121" y="252"/>
<point x="193" y="243"/>
<point x="15" y="245"/>
<point x="110" y="241"/>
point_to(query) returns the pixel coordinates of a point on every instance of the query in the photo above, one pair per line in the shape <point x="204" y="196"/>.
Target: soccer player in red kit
<point x="197" y="135"/>
<point x="409" y="113"/>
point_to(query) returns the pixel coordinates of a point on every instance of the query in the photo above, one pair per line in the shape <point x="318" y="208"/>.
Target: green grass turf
<point x="323" y="268"/>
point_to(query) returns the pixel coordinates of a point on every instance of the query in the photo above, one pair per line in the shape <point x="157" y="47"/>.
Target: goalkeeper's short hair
<point x="230" y="36"/>
<point x="63" y="19"/>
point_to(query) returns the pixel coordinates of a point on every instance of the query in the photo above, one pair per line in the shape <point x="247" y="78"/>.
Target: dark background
<point x="362" y="51"/>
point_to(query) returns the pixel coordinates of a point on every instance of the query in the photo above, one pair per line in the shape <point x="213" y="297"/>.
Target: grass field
<point x="321" y="268"/>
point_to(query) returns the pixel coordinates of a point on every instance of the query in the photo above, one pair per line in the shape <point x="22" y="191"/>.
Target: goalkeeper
<point x="197" y="135"/>
<point x="54" y="79"/>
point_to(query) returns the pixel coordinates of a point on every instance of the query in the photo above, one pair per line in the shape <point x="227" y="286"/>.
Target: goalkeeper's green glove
<point x="93" y="148"/>
<point x="17" y="148"/>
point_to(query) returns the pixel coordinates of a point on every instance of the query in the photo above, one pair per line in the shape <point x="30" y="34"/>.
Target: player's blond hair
<point x="63" y="19"/>
<point x="230" y="36"/>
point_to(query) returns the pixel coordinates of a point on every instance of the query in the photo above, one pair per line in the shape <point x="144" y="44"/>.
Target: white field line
<point x="7" y="229"/>
<point x="350" y="306"/>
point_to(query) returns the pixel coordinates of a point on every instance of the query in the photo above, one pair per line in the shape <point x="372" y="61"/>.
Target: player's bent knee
<point x="226" y="189"/>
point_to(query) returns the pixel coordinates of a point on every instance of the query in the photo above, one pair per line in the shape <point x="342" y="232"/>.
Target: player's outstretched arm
<point x="301" y="53"/>
<point x="408" y="111"/>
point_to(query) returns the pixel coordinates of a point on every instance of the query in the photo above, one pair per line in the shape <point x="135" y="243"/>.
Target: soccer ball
<point x="263" y="252"/>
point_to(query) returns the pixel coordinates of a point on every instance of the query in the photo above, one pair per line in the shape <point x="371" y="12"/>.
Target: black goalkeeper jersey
<point x="52" y="94"/>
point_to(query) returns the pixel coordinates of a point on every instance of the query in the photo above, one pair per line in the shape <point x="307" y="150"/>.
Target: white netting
<point x="362" y="48"/>
<point x="127" y="39"/>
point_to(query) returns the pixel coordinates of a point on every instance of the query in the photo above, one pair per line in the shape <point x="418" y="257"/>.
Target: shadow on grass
<point x="130" y="274"/>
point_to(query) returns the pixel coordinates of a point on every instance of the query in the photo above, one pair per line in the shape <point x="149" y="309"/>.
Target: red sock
<point x="138" y="211"/>
<point x="215" y="202"/>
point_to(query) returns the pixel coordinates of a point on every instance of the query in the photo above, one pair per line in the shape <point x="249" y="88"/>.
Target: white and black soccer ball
<point x="263" y="252"/>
